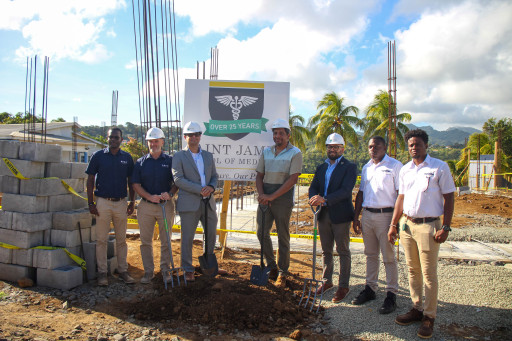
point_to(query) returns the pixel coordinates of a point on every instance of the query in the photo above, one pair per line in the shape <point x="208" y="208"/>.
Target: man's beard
<point x="333" y="157"/>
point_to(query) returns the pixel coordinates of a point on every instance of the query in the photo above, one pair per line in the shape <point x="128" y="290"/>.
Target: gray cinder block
<point x="6" y="219"/>
<point x="63" y="202"/>
<point x="21" y="239"/>
<point x="9" y="184"/>
<point x="22" y="257"/>
<point x="60" y="170"/>
<point x="42" y="187"/>
<point x="112" y="265"/>
<point x="68" y="220"/>
<point x="79" y="202"/>
<point x="31" y="222"/>
<point x="11" y="272"/>
<point x="5" y="255"/>
<point x="78" y="170"/>
<point x="29" y="169"/>
<point x="24" y="203"/>
<point x="51" y="259"/>
<point x="69" y="239"/>
<point x="9" y="149"/>
<point x="47" y="237"/>
<point x="40" y="152"/>
<point x="64" y="278"/>
<point x="111" y="247"/>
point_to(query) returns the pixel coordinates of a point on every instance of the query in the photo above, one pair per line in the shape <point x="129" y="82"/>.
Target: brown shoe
<point x="281" y="281"/>
<point x="426" y="328"/>
<point x="324" y="287"/>
<point x="340" y="294"/>
<point x="414" y="315"/>
<point x="102" y="280"/>
<point x="189" y="276"/>
<point x="125" y="277"/>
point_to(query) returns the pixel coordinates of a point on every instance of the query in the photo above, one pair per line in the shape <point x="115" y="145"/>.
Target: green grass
<point x="2" y="295"/>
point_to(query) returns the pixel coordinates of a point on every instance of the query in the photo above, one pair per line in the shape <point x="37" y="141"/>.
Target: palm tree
<point x="299" y="133"/>
<point x="334" y="117"/>
<point x="376" y="121"/>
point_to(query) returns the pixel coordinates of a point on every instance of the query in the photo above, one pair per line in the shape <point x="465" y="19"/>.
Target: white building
<point x="59" y="133"/>
<point x="481" y="173"/>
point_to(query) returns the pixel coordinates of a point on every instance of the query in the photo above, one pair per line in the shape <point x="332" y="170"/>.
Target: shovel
<point x="312" y="283"/>
<point x="173" y="271"/>
<point x="207" y="262"/>
<point x="259" y="274"/>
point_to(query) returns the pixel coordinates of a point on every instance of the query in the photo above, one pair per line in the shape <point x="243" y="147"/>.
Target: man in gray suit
<point x="195" y="175"/>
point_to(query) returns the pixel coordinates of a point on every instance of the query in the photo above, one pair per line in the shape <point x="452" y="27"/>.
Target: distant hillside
<point x="447" y="137"/>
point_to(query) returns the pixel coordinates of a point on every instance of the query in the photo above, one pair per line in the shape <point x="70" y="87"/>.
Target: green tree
<point x="299" y="133"/>
<point x="19" y="118"/>
<point x="376" y="121"/>
<point x="334" y="117"/>
<point x="59" y="119"/>
<point x="97" y="138"/>
<point x="135" y="148"/>
<point x="493" y="128"/>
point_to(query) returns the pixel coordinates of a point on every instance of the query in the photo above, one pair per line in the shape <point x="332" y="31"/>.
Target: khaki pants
<point x="421" y="255"/>
<point x="115" y="212"/>
<point x="148" y="214"/>
<point x="375" y="228"/>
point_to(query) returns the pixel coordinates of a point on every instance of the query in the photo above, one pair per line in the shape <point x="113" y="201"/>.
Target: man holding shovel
<point x="152" y="180"/>
<point x="277" y="172"/>
<point x="195" y="175"/>
<point x="332" y="188"/>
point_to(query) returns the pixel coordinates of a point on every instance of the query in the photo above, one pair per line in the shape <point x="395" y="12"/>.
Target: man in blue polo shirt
<point x="112" y="169"/>
<point x="152" y="180"/>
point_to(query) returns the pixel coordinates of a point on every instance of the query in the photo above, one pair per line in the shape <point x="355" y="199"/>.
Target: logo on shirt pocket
<point x="165" y="166"/>
<point x="124" y="162"/>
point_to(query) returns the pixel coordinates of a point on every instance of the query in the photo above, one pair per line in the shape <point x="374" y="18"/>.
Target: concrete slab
<point x="60" y="170"/>
<point x="9" y="184"/>
<point x="22" y="257"/>
<point x="9" y="149"/>
<point x="68" y="220"/>
<point x="5" y="255"/>
<point x="6" y="219"/>
<point x="69" y="239"/>
<point x="78" y="170"/>
<point x="24" y="240"/>
<point x="42" y="187"/>
<point x="31" y="222"/>
<point x="40" y="152"/>
<point x="51" y="259"/>
<point x="29" y="169"/>
<point x="11" y="272"/>
<point x="64" y="278"/>
<point x="24" y="203"/>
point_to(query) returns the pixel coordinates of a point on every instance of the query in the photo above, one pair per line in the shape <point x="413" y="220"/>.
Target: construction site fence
<point x="501" y="182"/>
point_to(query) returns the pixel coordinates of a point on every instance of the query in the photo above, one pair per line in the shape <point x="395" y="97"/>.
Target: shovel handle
<point x="315" y="209"/>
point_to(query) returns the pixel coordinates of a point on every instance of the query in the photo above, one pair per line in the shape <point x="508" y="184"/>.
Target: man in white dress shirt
<point x="376" y="197"/>
<point x="425" y="193"/>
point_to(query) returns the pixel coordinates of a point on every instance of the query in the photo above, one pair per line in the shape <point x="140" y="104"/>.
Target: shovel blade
<point x="259" y="275"/>
<point x="209" y="265"/>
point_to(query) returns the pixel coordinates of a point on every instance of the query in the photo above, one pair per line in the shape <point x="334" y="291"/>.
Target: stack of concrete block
<point x="41" y="212"/>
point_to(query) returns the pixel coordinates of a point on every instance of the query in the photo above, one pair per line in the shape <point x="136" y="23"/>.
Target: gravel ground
<point x="478" y="296"/>
<point x="487" y="228"/>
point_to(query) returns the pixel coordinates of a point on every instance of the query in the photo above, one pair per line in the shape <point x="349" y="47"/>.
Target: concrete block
<point x="11" y="272"/>
<point x="64" y="278"/>
<point x="93" y="233"/>
<point x="68" y="220"/>
<point x="90" y="259"/>
<point x="9" y="184"/>
<point x="69" y="239"/>
<point x="9" y="149"/>
<point x="40" y="152"/>
<point x="5" y="255"/>
<point x="42" y="187"/>
<point x="6" y="219"/>
<point x="51" y="259"/>
<point x="22" y="257"/>
<point x="60" y="170"/>
<point x="111" y="247"/>
<point x="47" y="237"/>
<point x="61" y="202"/>
<point x="78" y="202"/>
<point x="78" y="170"/>
<point x="24" y="240"/>
<point x="29" y="169"/>
<point x="112" y="265"/>
<point x="24" y="203"/>
<point x="31" y="222"/>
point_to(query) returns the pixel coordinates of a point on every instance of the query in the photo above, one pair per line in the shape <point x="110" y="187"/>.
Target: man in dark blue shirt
<point x="152" y="180"/>
<point x="111" y="168"/>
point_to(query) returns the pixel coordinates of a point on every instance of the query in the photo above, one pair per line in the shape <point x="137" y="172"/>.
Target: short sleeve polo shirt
<point x="111" y="172"/>
<point x="154" y="175"/>
<point x="278" y="168"/>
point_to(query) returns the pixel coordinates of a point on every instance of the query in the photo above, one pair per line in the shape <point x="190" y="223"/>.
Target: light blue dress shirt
<point x="198" y="159"/>
<point x="328" y="172"/>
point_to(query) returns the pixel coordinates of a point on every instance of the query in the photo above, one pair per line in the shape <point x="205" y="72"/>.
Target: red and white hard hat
<point x="335" y="138"/>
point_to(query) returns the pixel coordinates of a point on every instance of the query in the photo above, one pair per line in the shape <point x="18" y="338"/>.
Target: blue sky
<point x="454" y="58"/>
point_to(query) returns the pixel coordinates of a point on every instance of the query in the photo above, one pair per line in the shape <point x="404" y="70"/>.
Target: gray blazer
<point x="186" y="177"/>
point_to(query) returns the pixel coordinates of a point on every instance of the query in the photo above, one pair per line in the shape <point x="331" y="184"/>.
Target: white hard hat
<point x="191" y="127"/>
<point x="335" y="138"/>
<point x="280" y="123"/>
<point x="154" y="133"/>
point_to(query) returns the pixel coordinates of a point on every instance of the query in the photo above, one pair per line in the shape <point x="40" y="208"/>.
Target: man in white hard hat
<point x="332" y="189"/>
<point x="277" y="172"/>
<point x="153" y="182"/>
<point x="196" y="176"/>
<point x="376" y="198"/>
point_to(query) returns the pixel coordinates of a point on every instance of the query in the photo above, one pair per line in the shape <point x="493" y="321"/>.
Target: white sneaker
<point x="148" y="276"/>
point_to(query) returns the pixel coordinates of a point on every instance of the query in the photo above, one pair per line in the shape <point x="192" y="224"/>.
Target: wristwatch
<point x="446" y="228"/>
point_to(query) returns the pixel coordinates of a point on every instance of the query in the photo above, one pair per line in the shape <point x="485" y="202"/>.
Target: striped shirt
<point x="277" y="169"/>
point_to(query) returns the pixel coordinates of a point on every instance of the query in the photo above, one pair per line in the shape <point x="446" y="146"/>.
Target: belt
<point x="380" y="210"/>
<point x="112" y="199"/>
<point x="150" y="202"/>
<point x="421" y="220"/>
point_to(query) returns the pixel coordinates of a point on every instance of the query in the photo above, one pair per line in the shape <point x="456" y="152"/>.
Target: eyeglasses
<point x="333" y="147"/>
<point x="114" y="137"/>
<point x="193" y="134"/>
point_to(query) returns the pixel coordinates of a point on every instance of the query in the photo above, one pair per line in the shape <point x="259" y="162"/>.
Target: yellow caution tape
<point x="18" y="174"/>
<point x="75" y="258"/>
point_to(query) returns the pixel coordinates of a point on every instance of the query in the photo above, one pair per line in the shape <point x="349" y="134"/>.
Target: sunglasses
<point x="193" y="134"/>
<point x="333" y="147"/>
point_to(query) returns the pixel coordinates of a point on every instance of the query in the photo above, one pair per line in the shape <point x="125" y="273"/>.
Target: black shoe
<point x="364" y="296"/>
<point x="389" y="304"/>
<point x="273" y="274"/>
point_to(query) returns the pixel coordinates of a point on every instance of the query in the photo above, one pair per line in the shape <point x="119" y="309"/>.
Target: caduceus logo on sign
<point x="236" y="109"/>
